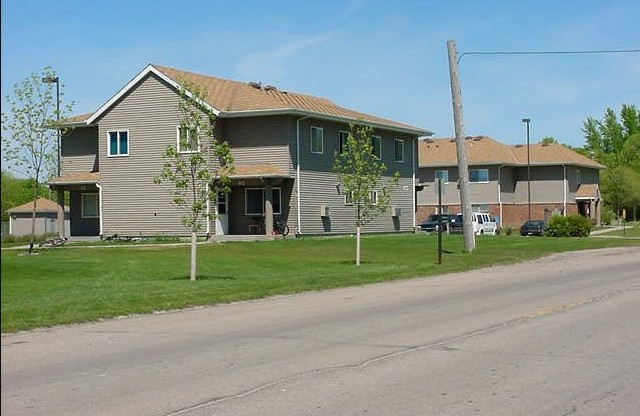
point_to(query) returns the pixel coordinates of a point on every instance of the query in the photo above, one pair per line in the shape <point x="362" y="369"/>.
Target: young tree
<point x="30" y="144"/>
<point x="616" y="143"/>
<point x="360" y="175"/>
<point x="192" y="167"/>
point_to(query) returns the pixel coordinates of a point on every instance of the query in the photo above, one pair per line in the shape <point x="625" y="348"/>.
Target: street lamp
<point x="56" y="80"/>
<point x="527" y="121"/>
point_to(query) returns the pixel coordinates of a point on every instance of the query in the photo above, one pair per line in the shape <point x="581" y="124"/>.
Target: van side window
<point x="480" y="219"/>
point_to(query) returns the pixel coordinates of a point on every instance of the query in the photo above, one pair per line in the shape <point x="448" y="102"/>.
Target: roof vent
<point x="453" y="140"/>
<point x="519" y="145"/>
<point x="270" y="88"/>
<point x="257" y="85"/>
<point x="477" y="138"/>
<point x="468" y="137"/>
<point x="544" y="144"/>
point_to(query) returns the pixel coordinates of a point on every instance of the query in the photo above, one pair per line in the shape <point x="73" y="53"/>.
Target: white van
<point x="483" y="224"/>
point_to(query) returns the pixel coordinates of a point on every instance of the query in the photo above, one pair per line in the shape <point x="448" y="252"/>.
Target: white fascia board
<point x="322" y="116"/>
<point x="148" y="69"/>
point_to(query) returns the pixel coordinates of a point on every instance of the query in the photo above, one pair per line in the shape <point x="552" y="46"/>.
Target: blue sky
<point x="386" y="58"/>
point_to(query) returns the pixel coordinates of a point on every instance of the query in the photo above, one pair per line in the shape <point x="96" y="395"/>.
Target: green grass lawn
<point x="629" y="231"/>
<point x="79" y="284"/>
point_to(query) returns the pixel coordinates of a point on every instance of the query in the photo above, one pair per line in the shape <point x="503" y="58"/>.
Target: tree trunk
<point x="33" y="219"/>
<point x="194" y="239"/>
<point x="358" y="245"/>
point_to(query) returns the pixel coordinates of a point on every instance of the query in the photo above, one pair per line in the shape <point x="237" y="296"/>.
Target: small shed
<point x="46" y="218"/>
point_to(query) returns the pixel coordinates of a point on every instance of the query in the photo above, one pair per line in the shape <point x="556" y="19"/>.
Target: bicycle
<point x="54" y="242"/>
<point x="280" y="226"/>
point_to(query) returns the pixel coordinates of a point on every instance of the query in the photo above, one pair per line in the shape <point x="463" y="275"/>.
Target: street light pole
<point x="56" y="80"/>
<point x="527" y="121"/>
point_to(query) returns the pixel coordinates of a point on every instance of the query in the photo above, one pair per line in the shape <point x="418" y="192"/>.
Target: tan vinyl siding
<point x="132" y="204"/>
<point x="546" y="184"/>
<point x="79" y="150"/>
<point x="259" y="140"/>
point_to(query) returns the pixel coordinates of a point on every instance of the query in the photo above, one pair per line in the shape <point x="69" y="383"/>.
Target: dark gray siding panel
<point x="259" y="140"/>
<point x="81" y="226"/>
<point x="79" y="150"/>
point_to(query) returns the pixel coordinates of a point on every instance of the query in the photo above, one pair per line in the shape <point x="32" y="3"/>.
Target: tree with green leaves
<point x="197" y="166"/>
<point x="616" y="144"/>
<point x="29" y="138"/>
<point x="360" y="177"/>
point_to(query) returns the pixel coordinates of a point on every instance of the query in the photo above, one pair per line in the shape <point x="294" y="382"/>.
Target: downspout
<point x="100" y="206"/>
<point x="298" y="213"/>
<point x="414" y="143"/>
<point x="564" y="190"/>
<point x="500" y="194"/>
<point x="208" y="228"/>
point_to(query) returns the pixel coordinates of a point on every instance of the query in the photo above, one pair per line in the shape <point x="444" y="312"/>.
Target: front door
<point x="222" y="217"/>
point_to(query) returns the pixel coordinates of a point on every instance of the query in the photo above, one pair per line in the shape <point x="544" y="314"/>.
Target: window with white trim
<point x="89" y="205"/>
<point x="118" y="143"/>
<point x="254" y="201"/>
<point x="348" y="198"/>
<point x="478" y="175"/>
<point x="442" y="174"/>
<point x="374" y="197"/>
<point x="188" y="139"/>
<point x="317" y="140"/>
<point x="344" y="135"/>
<point x="376" y="146"/>
<point x="398" y="150"/>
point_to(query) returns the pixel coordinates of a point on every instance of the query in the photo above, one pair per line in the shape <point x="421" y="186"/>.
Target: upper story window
<point x="118" y="143"/>
<point x="343" y="141"/>
<point x="188" y="139"/>
<point x="374" y="197"/>
<point x="442" y="174"/>
<point x="317" y="140"/>
<point x="478" y="175"/>
<point x="578" y="176"/>
<point x="398" y="150"/>
<point x="376" y="146"/>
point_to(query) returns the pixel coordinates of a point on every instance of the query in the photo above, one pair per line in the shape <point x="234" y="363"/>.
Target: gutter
<point x="306" y="114"/>
<point x="298" y="213"/>
<point x="100" y="206"/>
<point x="500" y="193"/>
<point x="564" y="190"/>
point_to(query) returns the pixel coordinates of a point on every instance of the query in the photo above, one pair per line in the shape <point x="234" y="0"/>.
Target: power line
<point x="550" y="52"/>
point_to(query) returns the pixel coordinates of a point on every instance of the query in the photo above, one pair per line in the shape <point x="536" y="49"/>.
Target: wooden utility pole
<point x="463" y="168"/>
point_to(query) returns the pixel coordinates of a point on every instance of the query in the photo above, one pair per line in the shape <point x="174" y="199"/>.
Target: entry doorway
<point x="222" y="216"/>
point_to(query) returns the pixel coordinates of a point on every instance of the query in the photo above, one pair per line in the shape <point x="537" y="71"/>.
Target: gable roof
<point x="483" y="150"/>
<point x="228" y="99"/>
<point x="43" y="205"/>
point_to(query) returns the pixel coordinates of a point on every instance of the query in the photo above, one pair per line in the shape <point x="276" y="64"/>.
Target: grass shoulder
<point x="78" y="284"/>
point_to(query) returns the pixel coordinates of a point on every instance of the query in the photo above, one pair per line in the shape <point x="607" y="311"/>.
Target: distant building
<point x="561" y="180"/>
<point x="46" y="218"/>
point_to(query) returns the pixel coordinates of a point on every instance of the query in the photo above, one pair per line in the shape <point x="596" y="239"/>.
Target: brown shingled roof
<point x="233" y="99"/>
<point x="42" y="205"/>
<point x="588" y="191"/>
<point x="76" y="178"/>
<point x="482" y="150"/>
<point x="257" y="171"/>
<point x="232" y="96"/>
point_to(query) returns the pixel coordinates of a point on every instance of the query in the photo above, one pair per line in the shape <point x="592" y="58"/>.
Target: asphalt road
<point x="557" y="336"/>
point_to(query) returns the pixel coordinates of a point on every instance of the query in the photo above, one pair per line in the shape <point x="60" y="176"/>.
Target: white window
<point x="374" y="197"/>
<point x="188" y="139"/>
<point x="89" y="205"/>
<point x="118" y="143"/>
<point x="398" y="150"/>
<point x="376" y="146"/>
<point x="478" y="175"/>
<point x="317" y="140"/>
<point x="578" y="176"/>
<point x="254" y="201"/>
<point x="442" y="174"/>
<point x="348" y="198"/>
<point x="343" y="141"/>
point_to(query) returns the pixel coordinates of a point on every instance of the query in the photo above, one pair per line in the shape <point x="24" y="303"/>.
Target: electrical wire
<point x="550" y="52"/>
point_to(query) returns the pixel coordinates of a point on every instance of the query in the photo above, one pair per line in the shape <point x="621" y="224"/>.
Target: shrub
<point x="608" y="216"/>
<point x="571" y="226"/>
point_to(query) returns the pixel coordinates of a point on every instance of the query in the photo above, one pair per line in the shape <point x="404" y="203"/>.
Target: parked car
<point x="432" y="223"/>
<point x="483" y="224"/>
<point x="533" y="227"/>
